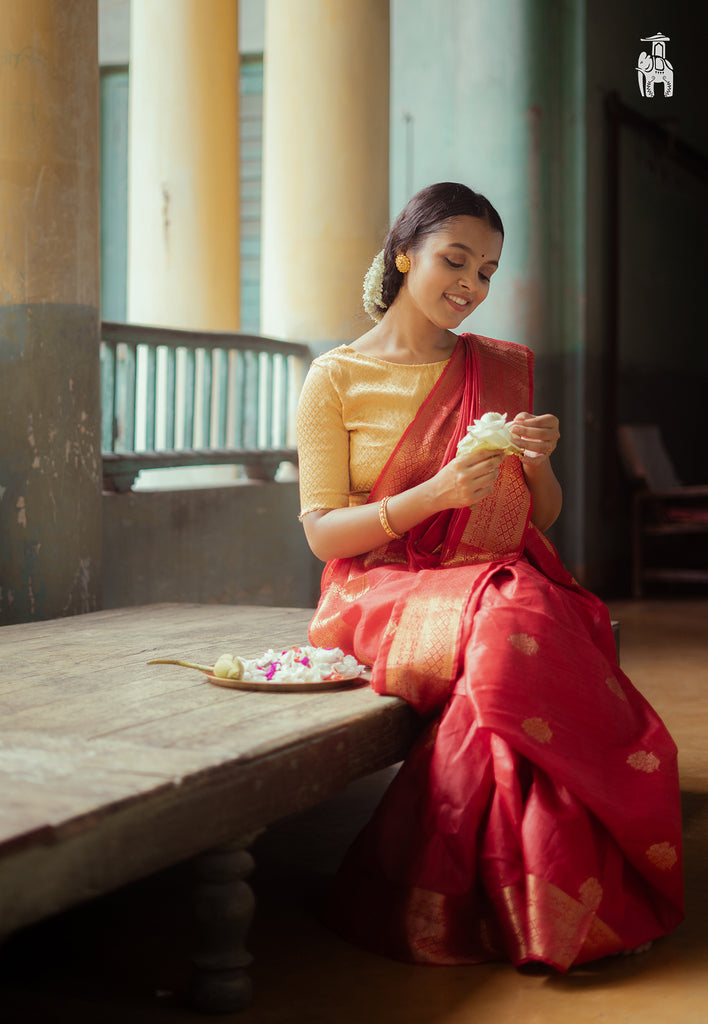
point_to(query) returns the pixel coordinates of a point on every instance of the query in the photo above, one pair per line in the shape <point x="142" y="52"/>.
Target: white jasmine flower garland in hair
<point x="490" y="431"/>
<point x="373" y="282"/>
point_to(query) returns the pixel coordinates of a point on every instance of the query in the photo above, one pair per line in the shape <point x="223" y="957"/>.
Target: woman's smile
<point x="458" y="302"/>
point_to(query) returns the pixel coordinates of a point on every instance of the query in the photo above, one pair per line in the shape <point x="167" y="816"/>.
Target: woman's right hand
<point x="466" y="480"/>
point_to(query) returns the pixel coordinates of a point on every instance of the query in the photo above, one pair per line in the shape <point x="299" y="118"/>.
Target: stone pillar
<point x="183" y="231"/>
<point x="50" y="450"/>
<point x="325" y="159"/>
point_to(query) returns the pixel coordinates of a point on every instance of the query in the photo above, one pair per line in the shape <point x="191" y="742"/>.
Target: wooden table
<point x="111" y="769"/>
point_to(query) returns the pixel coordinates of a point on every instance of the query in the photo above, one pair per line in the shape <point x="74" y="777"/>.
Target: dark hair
<point x="422" y="215"/>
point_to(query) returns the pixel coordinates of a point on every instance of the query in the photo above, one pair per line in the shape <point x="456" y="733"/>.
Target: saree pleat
<point x="537" y="817"/>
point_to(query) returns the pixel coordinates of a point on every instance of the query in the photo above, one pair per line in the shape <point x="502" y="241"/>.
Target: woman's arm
<point x="538" y="436"/>
<point x="347" y="532"/>
<point x="545" y="492"/>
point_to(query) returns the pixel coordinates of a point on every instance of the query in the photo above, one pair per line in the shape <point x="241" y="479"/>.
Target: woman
<point x="537" y="817"/>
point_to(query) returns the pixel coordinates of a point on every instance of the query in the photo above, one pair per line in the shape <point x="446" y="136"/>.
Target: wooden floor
<point x="124" y="959"/>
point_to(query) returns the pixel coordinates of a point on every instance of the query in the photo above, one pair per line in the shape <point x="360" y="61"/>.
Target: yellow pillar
<point x="183" y="232"/>
<point x="325" y="159"/>
<point x="50" y="454"/>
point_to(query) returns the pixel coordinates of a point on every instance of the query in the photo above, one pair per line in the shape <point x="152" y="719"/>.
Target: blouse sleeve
<point x="323" y="444"/>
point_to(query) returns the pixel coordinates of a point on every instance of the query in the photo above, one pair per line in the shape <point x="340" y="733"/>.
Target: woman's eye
<point x="484" y="277"/>
<point x="455" y="265"/>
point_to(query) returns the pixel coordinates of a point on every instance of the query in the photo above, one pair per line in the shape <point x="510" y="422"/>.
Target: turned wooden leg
<point x="224" y="905"/>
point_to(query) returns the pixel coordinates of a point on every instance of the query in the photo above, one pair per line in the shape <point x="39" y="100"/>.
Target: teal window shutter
<point x="114" y="193"/>
<point x="251" y="150"/>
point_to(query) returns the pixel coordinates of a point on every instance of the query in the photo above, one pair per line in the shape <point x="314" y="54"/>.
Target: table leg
<point x="224" y="906"/>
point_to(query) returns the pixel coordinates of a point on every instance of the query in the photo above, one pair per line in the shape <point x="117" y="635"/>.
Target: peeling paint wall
<point x="50" y="462"/>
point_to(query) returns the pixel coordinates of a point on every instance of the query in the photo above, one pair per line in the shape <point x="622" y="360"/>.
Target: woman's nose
<point x="469" y="282"/>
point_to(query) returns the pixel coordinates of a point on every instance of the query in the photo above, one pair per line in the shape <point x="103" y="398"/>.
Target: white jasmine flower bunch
<point x="490" y="431"/>
<point x="302" y="664"/>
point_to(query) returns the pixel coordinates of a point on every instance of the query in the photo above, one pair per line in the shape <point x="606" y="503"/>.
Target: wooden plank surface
<point x="111" y="768"/>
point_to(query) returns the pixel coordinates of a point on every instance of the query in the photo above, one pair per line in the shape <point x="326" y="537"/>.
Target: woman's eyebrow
<point x="461" y="245"/>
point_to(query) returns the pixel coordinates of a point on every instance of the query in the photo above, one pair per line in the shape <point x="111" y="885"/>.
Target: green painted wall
<point x="460" y="98"/>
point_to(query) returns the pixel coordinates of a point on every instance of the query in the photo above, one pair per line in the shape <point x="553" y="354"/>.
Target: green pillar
<point x="50" y="450"/>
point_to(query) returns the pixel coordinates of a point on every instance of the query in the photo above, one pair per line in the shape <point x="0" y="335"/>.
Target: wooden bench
<point x="111" y="769"/>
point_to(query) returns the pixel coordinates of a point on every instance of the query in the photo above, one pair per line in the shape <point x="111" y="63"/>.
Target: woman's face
<point x="451" y="270"/>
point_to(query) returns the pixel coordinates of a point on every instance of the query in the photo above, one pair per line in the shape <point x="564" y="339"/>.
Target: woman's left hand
<point x="537" y="435"/>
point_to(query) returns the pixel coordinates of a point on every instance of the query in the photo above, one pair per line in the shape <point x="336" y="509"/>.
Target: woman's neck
<point x="404" y="338"/>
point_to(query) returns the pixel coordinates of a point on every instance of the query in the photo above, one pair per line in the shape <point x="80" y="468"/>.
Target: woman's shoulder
<point x="350" y="363"/>
<point x="331" y="374"/>
<point x="501" y="350"/>
<point x="342" y="355"/>
<point x="336" y="366"/>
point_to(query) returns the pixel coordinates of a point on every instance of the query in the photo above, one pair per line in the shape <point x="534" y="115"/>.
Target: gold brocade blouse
<point x="352" y="412"/>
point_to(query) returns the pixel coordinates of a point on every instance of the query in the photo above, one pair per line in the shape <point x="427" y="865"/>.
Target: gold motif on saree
<point x="662" y="855"/>
<point x="591" y="893"/>
<point x="537" y="729"/>
<point x="644" y="761"/>
<point x="614" y="687"/>
<point x="524" y="643"/>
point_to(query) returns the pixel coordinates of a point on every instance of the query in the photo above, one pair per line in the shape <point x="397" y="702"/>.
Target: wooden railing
<point x="193" y="398"/>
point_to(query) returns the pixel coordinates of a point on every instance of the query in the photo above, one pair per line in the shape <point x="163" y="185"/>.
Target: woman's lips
<point x="457" y="302"/>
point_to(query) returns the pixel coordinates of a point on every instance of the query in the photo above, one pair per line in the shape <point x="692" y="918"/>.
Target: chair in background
<point x="662" y="506"/>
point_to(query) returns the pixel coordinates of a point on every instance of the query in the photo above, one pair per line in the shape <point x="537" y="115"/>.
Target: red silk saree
<point x="537" y="817"/>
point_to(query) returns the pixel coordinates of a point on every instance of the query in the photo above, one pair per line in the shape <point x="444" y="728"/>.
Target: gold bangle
<point x="383" y="519"/>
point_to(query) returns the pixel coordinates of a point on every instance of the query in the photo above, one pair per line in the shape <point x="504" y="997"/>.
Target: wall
<point x="656" y="367"/>
<point x="113" y="32"/>
<point x="229" y="545"/>
<point x="459" y="102"/>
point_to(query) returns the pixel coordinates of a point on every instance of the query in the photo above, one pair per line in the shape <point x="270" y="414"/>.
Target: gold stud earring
<point x="403" y="264"/>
